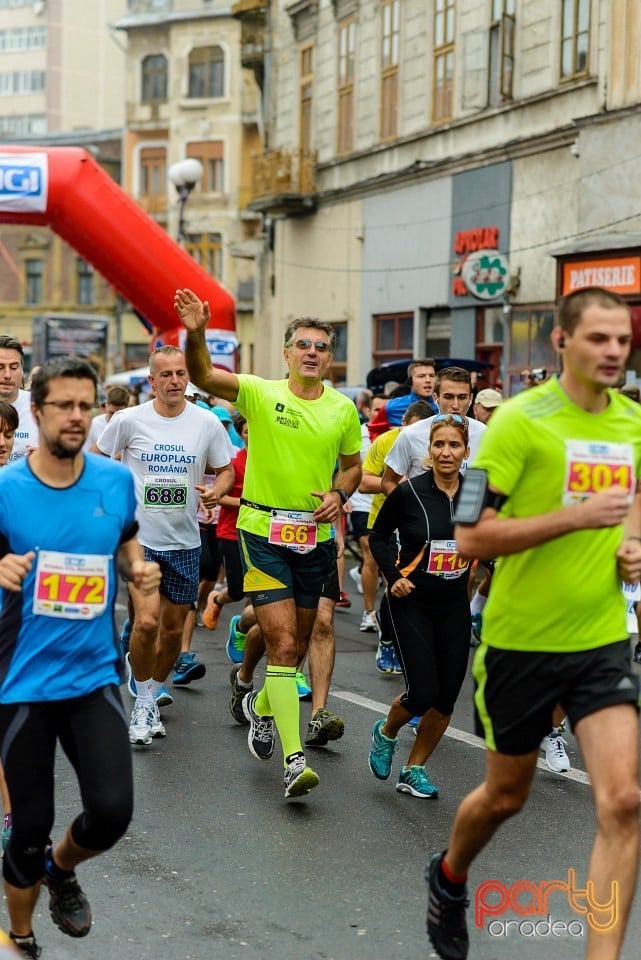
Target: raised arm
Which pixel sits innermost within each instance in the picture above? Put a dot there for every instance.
(194, 316)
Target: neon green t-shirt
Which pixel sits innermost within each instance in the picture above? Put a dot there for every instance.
(374, 462)
(293, 447)
(544, 452)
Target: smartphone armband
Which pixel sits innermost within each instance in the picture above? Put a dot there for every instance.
(475, 496)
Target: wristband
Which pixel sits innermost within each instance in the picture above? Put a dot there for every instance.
(343, 494)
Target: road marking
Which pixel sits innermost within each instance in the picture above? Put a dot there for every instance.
(578, 775)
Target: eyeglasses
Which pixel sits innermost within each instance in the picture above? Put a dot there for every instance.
(67, 406)
(321, 346)
(448, 416)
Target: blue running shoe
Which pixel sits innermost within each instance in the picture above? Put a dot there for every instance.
(187, 668)
(397, 669)
(415, 781)
(125, 634)
(164, 698)
(304, 689)
(382, 752)
(235, 641)
(413, 724)
(385, 657)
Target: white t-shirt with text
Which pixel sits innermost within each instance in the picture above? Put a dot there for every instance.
(410, 449)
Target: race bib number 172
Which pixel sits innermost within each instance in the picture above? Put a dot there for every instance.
(71, 586)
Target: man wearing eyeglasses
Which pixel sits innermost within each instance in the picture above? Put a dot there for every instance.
(453, 394)
(299, 429)
(11, 377)
(67, 524)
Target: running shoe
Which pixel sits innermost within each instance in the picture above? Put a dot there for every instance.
(164, 698)
(368, 622)
(446, 924)
(555, 755)
(397, 669)
(199, 618)
(343, 600)
(211, 613)
(235, 641)
(237, 695)
(413, 724)
(125, 634)
(157, 727)
(382, 752)
(299, 778)
(477, 624)
(304, 689)
(140, 724)
(385, 657)
(187, 668)
(415, 781)
(26, 946)
(356, 576)
(68, 906)
(324, 726)
(260, 738)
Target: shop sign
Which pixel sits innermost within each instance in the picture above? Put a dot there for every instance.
(468, 245)
(620, 274)
(485, 274)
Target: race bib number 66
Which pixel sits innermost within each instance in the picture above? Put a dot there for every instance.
(592, 467)
(71, 586)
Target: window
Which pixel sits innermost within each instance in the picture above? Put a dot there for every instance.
(345, 112)
(391, 14)
(22, 81)
(23, 38)
(153, 171)
(154, 78)
(21, 125)
(306, 95)
(501, 52)
(206, 72)
(575, 38)
(530, 343)
(393, 337)
(338, 369)
(85, 282)
(33, 276)
(207, 250)
(444, 17)
(211, 154)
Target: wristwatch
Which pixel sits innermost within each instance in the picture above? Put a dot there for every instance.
(343, 494)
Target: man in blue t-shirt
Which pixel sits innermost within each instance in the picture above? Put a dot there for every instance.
(67, 528)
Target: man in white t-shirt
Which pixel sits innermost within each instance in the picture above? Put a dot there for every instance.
(453, 394)
(117, 399)
(11, 377)
(169, 445)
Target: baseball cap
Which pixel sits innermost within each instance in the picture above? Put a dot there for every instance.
(489, 398)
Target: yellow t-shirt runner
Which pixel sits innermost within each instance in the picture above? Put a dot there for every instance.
(545, 452)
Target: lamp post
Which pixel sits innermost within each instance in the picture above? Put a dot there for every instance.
(184, 175)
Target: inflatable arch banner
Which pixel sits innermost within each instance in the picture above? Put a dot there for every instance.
(64, 188)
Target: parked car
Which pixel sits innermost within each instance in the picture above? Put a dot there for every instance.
(396, 371)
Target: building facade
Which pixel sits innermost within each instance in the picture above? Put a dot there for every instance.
(406, 138)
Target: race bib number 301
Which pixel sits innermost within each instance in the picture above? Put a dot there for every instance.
(164, 493)
(71, 586)
(592, 467)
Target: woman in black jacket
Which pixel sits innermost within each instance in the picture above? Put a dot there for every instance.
(425, 612)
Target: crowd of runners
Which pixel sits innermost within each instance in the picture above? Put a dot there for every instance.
(227, 488)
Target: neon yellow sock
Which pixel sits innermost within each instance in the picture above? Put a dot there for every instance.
(262, 706)
(280, 684)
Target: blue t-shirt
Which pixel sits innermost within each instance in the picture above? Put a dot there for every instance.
(57, 637)
(396, 407)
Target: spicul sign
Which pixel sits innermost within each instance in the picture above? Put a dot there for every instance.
(486, 278)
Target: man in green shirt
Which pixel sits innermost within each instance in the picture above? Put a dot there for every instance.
(564, 515)
(299, 430)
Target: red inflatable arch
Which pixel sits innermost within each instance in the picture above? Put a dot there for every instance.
(64, 188)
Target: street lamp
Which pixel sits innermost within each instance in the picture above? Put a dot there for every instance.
(184, 175)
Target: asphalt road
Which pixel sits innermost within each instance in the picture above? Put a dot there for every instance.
(217, 865)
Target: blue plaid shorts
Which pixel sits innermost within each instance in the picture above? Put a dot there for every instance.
(180, 573)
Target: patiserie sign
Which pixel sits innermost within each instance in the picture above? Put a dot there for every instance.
(621, 275)
(24, 182)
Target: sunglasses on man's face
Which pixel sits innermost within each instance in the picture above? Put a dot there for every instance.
(320, 346)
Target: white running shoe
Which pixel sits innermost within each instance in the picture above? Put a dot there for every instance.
(156, 724)
(555, 755)
(355, 574)
(141, 721)
(368, 622)
(299, 778)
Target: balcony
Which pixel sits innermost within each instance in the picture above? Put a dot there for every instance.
(252, 16)
(246, 9)
(284, 183)
(147, 115)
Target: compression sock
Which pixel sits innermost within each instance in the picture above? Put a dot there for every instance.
(280, 684)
